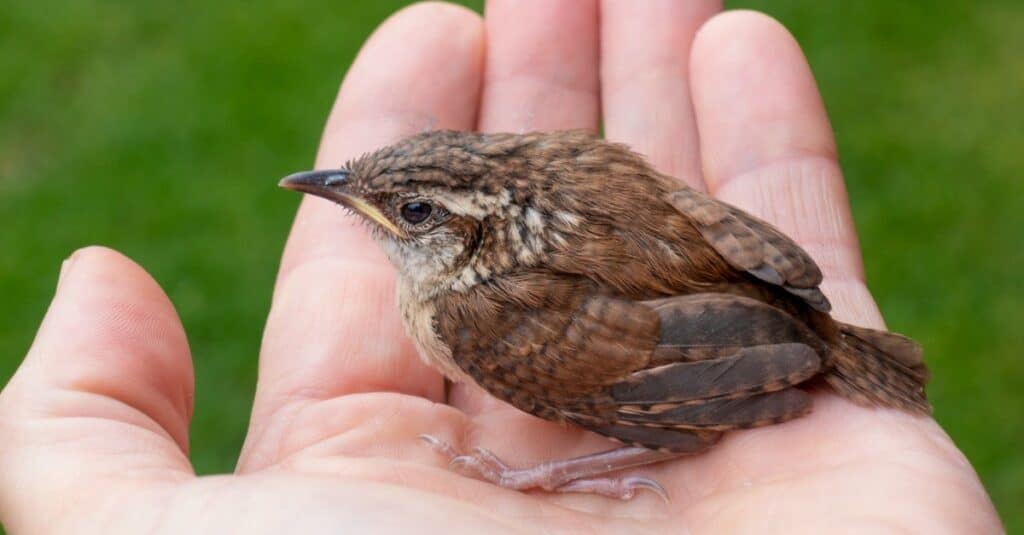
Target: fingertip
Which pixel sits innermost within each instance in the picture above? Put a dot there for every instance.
(98, 275)
(440, 10)
(756, 98)
(434, 44)
(458, 29)
(645, 86)
(740, 20)
(111, 330)
(104, 262)
(452, 24)
(737, 34)
(541, 71)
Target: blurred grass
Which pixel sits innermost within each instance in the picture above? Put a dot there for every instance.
(160, 131)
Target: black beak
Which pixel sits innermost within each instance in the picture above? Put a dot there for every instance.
(330, 184)
(319, 182)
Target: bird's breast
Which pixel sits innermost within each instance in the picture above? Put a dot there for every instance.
(418, 317)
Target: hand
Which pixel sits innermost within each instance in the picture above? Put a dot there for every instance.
(95, 422)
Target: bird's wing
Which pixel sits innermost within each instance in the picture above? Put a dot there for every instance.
(753, 245)
(641, 372)
(722, 362)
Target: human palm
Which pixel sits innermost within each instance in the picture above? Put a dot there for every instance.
(95, 421)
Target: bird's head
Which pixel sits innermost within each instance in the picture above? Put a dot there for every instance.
(453, 208)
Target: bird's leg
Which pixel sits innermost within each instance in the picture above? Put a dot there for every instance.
(578, 474)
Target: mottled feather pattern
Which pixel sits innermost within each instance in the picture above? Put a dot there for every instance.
(865, 373)
(572, 280)
(754, 246)
(560, 349)
(699, 326)
(735, 373)
(722, 414)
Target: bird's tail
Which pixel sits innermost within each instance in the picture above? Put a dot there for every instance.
(879, 368)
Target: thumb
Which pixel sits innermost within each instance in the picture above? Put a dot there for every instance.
(99, 409)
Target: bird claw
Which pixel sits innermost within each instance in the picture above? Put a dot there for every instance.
(471, 465)
(439, 445)
(482, 461)
(621, 488)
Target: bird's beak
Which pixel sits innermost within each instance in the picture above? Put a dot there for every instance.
(331, 184)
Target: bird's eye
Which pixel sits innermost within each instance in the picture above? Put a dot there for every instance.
(416, 212)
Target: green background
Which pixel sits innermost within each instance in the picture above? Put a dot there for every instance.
(160, 129)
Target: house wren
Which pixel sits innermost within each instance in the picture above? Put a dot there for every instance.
(567, 277)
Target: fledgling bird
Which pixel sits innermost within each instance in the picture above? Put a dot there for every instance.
(567, 277)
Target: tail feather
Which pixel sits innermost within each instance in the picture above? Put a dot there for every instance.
(879, 368)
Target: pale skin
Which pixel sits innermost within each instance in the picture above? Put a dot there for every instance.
(95, 422)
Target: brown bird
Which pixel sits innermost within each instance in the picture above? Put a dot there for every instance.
(567, 277)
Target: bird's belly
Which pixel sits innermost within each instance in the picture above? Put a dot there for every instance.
(418, 317)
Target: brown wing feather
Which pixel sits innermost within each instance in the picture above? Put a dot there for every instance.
(753, 245)
(725, 413)
(554, 346)
(699, 326)
(736, 374)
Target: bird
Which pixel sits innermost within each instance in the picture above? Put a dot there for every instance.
(566, 276)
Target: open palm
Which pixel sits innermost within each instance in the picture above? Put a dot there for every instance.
(95, 422)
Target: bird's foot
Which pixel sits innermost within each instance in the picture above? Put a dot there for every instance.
(579, 474)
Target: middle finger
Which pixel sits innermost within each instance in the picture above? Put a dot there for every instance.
(541, 71)
(541, 74)
(645, 90)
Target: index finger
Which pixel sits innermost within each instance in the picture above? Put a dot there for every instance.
(334, 326)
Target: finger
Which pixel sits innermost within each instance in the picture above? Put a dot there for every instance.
(541, 71)
(541, 74)
(645, 89)
(767, 146)
(103, 398)
(334, 326)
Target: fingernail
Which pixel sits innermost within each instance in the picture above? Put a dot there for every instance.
(65, 266)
